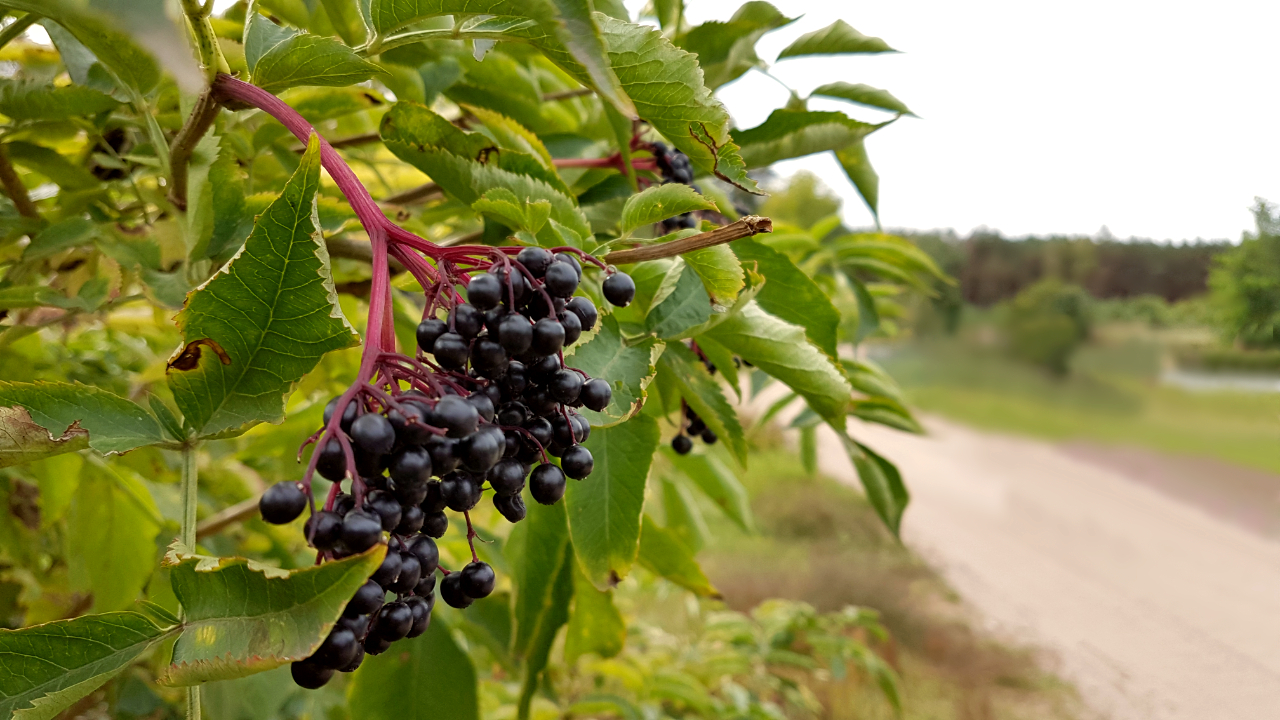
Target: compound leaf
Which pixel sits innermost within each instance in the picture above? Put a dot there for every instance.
(243, 617)
(25, 100)
(857, 166)
(112, 526)
(595, 625)
(718, 483)
(264, 320)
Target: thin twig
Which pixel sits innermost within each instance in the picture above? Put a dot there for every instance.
(184, 143)
(746, 227)
(566, 94)
(422, 193)
(14, 188)
(227, 516)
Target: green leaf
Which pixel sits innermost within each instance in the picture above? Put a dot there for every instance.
(835, 39)
(112, 526)
(575, 25)
(47, 162)
(868, 315)
(857, 166)
(870, 379)
(281, 58)
(27, 100)
(257, 697)
(62, 235)
(791, 294)
(243, 617)
(595, 625)
(426, 678)
(781, 350)
(723, 360)
(884, 411)
(795, 133)
(726, 50)
(660, 202)
(682, 303)
(860, 94)
(512, 135)
(346, 18)
(536, 550)
(129, 62)
(880, 480)
(717, 482)
(628, 366)
(720, 271)
(67, 413)
(702, 393)
(48, 667)
(662, 554)
(604, 509)
(264, 320)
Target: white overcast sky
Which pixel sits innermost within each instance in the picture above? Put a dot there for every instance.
(1155, 119)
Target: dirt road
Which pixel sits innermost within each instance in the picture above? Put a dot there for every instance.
(1156, 607)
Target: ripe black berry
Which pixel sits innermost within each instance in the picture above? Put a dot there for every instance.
(572, 327)
(373, 433)
(385, 506)
(411, 520)
(435, 524)
(681, 444)
(511, 506)
(355, 661)
(619, 289)
(420, 608)
(375, 644)
(410, 574)
(411, 465)
(570, 260)
(327, 530)
(535, 260)
(515, 334)
(348, 415)
(483, 405)
(366, 600)
(460, 492)
(565, 386)
(426, 586)
(596, 394)
(429, 331)
(546, 484)
(513, 413)
(283, 502)
(540, 429)
(477, 580)
(507, 477)
(696, 426)
(361, 530)
(394, 622)
(585, 310)
(709, 437)
(457, 416)
(451, 591)
(441, 450)
(548, 337)
(467, 320)
(337, 650)
(332, 463)
(451, 351)
(388, 571)
(516, 379)
(310, 675)
(577, 462)
(543, 369)
(561, 280)
(427, 553)
(484, 291)
(581, 427)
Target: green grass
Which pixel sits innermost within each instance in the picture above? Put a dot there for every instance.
(1112, 396)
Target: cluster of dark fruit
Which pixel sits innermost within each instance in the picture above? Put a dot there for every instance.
(692, 427)
(508, 402)
(676, 167)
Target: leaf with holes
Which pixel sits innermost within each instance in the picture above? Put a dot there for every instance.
(243, 617)
(264, 320)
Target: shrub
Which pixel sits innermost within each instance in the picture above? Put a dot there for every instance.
(1046, 323)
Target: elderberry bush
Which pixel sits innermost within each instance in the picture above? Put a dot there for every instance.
(483, 408)
(675, 167)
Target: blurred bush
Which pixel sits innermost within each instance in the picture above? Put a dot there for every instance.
(1046, 323)
(1245, 283)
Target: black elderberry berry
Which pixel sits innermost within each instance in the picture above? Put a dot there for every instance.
(323, 530)
(709, 437)
(427, 553)
(375, 644)
(435, 524)
(566, 386)
(477, 579)
(358, 624)
(467, 320)
(310, 675)
(348, 415)
(343, 504)
(368, 598)
(507, 477)
(541, 430)
(451, 351)
(410, 422)
(561, 279)
(385, 506)
(457, 416)
(511, 506)
(516, 379)
(488, 357)
(434, 501)
(429, 331)
(619, 289)
(528, 452)
(535, 260)
(484, 291)
(283, 502)
(515, 334)
(577, 462)
(681, 444)
(355, 661)
(410, 573)
(388, 571)
(585, 310)
(543, 369)
(483, 405)
(332, 463)
(511, 446)
(571, 261)
(562, 431)
(548, 337)
(696, 426)
(546, 484)
(426, 587)
(596, 394)
(460, 492)
(361, 530)
(451, 591)
(373, 433)
(394, 622)
(411, 519)
(368, 465)
(572, 327)
(512, 414)
(581, 427)
(421, 611)
(411, 465)
(337, 650)
(483, 449)
(441, 450)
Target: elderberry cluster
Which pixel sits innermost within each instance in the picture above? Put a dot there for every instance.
(676, 167)
(691, 427)
(485, 414)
